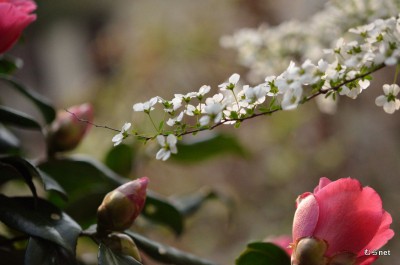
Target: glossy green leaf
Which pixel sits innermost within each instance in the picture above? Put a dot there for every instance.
(217, 144)
(24, 168)
(9, 143)
(163, 211)
(87, 181)
(263, 253)
(108, 257)
(9, 64)
(189, 204)
(17, 118)
(51, 184)
(47, 110)
(120, 159)
(166, 254)
(41, 219)
(43, 252)
(8, 172)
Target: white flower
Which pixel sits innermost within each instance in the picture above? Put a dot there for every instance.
(291, 98)
(168, 146)
(145, 106)
(202, 91)
(389, 102)
(117, 139)
(230, 85)
(172, 121)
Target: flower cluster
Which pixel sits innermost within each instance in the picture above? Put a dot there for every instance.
(269, 49)
(345, 70)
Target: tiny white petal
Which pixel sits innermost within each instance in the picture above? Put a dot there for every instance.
(138, 107)
(172, 140)
(234, 78)
(161, 140)
(380, 101)
(389, 107)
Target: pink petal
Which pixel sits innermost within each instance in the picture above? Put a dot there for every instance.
(305, 217)
(383, 235)
(322, 183)
(366, 260)
(349, 216)
(13, 21)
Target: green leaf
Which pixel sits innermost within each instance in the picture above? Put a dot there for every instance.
(41, 219)
(190, 203)
(14, 117)
(263, 253)
(120, 159)
(24, 168)
(217, 144)
(163, 211)
(47, 110)
(8, 172)
(87, 181)
(9, 64)
(107, 257)
(165, 253)
(9, 144)
(43, 252)
(51, 184)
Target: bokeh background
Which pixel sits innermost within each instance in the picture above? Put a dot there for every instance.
(117, 53)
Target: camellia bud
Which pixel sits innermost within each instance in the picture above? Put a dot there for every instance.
(66, 132)
(123, 244)
(309, 251)
(121, 206)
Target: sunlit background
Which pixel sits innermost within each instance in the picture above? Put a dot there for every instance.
(117, 53)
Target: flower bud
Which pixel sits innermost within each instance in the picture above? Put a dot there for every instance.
(66, 131)
(121, 206)
(309, 251)
(123, 244)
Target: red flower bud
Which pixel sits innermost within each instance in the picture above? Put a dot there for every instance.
(121, 206)
(344, 217)
(66, 132)
(15, 16)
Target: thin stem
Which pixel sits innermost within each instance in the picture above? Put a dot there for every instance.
(152, 122)
(91, 123)
(396, 73)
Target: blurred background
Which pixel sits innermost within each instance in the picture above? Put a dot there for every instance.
(117, 53)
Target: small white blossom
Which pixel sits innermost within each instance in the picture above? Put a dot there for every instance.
(230, 85)
(291, 98)
(168, 146)
(145, 106)
(388, 101)
(117, 139)
(172, 121)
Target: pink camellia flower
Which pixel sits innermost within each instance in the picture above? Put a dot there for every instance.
(68, 129)
(338, 224)
(15, 16)
(121, 206)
